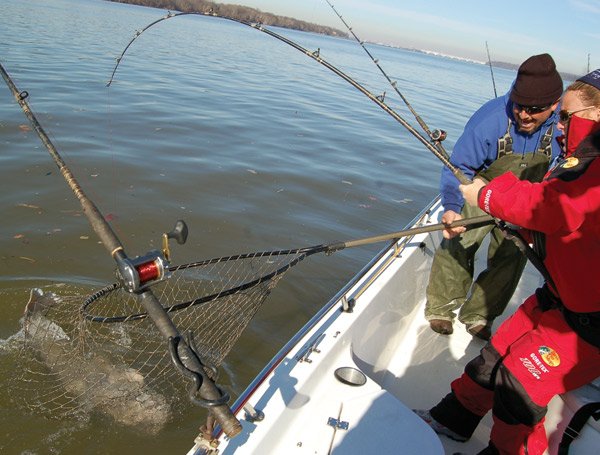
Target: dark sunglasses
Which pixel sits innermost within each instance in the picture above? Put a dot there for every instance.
(565, 116)
(532, 110)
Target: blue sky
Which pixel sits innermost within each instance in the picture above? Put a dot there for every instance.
(569, 30)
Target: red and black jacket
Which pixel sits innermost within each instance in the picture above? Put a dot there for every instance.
(565, 208)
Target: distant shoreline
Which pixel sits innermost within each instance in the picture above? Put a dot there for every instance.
(255, 15)
(495, 64)
(244, 13)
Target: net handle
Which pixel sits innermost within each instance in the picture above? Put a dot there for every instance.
(302, 253)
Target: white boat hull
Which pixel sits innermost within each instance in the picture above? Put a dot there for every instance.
(306, 409)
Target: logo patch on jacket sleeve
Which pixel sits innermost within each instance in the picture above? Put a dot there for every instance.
(549, 356)
(570, 162)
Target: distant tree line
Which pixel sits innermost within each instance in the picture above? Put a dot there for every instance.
(236, 12)
(511, 66)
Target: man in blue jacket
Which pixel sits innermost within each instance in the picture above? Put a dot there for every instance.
(515, 132)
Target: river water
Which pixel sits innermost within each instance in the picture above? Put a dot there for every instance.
(253, 144)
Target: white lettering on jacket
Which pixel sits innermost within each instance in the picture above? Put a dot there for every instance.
(486, 201)
(530, 367)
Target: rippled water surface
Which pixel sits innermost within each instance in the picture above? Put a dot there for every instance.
(250, 142)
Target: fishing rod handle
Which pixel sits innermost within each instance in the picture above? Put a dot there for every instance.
(208, 390)
(462, 178)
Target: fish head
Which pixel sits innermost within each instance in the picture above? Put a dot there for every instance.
(39, 302)
(35, 322)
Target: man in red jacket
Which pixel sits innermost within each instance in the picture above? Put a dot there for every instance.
(552, 343)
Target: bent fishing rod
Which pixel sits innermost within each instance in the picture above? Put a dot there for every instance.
(521, 244)
(436, 136)
(315, 55)
(379, 100)
(136, 275)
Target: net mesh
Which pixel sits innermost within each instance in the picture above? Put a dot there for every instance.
(102, 354)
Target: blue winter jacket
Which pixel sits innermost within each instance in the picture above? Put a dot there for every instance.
(477, 148)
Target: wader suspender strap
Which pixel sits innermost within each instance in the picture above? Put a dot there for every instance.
(539, 244)
(531, 255)
(505, 142)
(576, 424)
(546, 142)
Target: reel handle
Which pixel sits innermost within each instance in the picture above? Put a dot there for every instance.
(179, 232)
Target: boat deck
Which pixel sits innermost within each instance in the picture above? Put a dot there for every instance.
(414, 364)
(438, 359)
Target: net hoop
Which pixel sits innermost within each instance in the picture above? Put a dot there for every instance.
(299, 255)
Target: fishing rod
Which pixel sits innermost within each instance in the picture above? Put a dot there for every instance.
(136, 275)
(315, 55)
(491, 70)
(521, 244)
(437, 136)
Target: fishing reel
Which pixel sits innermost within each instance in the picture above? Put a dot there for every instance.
(438, 135)
(136, 274)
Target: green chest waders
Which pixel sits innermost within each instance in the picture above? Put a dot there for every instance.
(451, 284)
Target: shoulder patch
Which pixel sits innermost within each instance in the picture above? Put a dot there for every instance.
(571, 168)
(569, 162)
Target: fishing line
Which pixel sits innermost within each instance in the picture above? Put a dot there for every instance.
(315, 55)
(437, 136)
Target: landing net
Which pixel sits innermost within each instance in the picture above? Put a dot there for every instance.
(103, 354)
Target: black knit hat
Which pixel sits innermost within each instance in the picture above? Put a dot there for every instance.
(538, 83)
